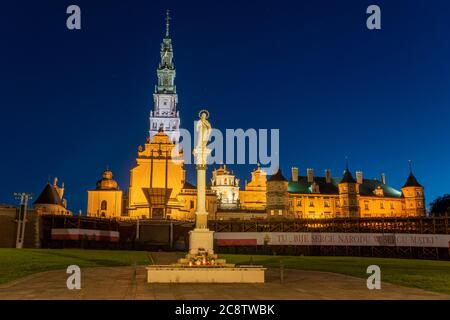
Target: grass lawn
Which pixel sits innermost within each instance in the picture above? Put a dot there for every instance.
(17, 263)
(423, 274)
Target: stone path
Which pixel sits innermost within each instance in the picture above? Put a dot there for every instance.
(120, 283)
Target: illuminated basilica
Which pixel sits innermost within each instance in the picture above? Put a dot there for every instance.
(158, 188)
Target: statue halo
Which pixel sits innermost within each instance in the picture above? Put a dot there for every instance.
(204, 111)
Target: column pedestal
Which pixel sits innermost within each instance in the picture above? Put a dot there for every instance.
(201, 241)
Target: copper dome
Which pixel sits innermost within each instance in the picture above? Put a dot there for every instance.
(107, 182)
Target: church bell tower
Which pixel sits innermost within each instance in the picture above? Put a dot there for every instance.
(164, 116)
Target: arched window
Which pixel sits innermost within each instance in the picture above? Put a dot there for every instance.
(104, 205)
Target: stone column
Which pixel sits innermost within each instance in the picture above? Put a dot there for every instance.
(201, 214)
(201, 155)
(201, 237)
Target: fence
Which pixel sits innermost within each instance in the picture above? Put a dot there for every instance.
(171, 235)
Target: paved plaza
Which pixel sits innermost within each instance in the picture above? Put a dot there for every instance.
(121, 283)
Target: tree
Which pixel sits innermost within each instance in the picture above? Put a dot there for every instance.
(441, 206)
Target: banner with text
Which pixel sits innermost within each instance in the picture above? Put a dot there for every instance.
(332, 239)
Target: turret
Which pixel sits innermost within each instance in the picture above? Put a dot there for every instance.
(51, 200)
(277, 196)
(348, 195)
(413, 192)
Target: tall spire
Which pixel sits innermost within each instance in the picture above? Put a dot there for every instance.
(166, 69)
(164, 116)
(167, 23)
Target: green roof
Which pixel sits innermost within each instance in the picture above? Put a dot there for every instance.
(367, 188)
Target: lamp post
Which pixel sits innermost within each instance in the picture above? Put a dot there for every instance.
(21, 219)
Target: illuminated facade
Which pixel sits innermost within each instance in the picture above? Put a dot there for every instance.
(158, 188)
(277, 196)
(253, 197)
(226, 187)
(327, 197)
(106, 199)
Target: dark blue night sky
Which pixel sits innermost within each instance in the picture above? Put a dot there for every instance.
(74, 102)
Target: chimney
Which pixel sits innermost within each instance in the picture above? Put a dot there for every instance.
(383, 178)
(359, 177)
(294, 174)
(328, 176)
(310, 175)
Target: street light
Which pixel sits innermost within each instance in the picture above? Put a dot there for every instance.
(21, 219)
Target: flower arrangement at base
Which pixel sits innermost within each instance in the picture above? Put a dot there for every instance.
(202, 259)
